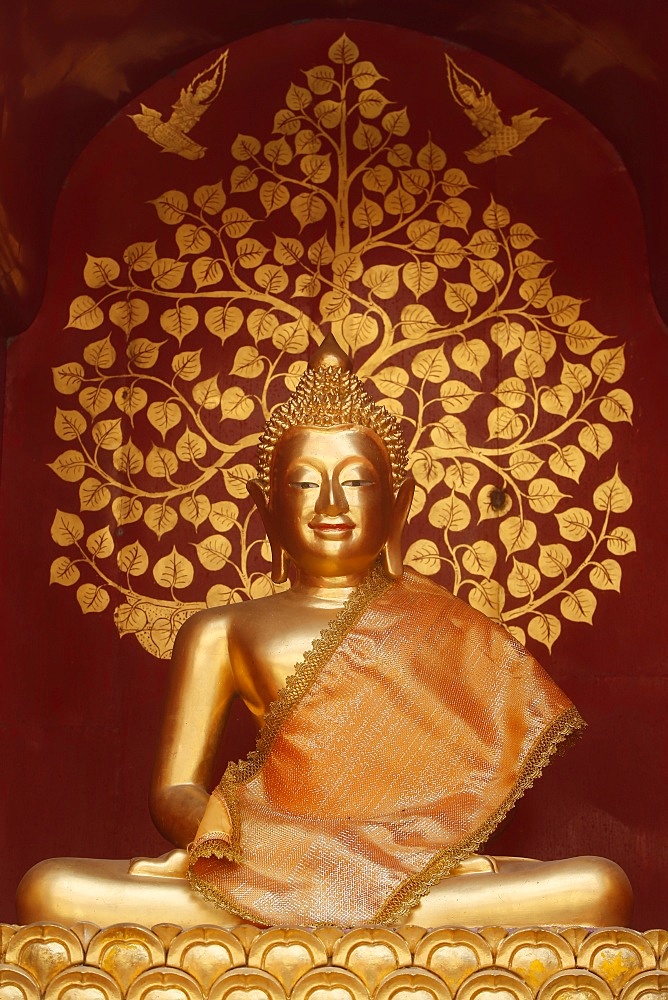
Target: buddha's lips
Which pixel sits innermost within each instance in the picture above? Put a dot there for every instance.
(332, 527)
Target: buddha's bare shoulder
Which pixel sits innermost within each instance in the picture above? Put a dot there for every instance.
(218, 622)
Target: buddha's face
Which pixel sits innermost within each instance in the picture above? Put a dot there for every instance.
(331, 499)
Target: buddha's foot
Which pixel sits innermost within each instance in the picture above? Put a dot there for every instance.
(173, 864)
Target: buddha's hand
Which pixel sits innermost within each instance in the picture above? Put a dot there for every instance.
(174, 864)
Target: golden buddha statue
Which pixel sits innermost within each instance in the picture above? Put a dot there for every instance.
(385, 758)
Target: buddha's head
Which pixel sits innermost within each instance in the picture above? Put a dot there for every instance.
(332, 488)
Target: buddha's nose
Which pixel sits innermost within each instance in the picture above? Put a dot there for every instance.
(332, 499)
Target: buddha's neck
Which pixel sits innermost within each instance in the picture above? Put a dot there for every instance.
(331, 591)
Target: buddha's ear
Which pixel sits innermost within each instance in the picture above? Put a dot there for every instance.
(392, 554)
(279, 557)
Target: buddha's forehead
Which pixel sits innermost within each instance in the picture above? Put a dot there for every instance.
(334, 444)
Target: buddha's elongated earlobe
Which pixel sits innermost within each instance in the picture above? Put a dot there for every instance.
(279, 557)
(391, 554)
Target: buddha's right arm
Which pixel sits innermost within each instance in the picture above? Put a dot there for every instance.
(201, 688)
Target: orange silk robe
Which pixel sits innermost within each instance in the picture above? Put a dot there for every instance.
(405, 735)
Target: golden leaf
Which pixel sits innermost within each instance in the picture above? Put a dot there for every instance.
(455, 213)
(582, 337)
(214, 552)
(524, 465)
(190, 447)
(529, 264)
(247, 363)
(161, 463)
(487, 596)
(554, 560)
(529, 365)
(347, 267)
(108, 434)
(206, 271)
(545, 628)
(606, 575)
(423, 234)
(517, 534)
(224, 515)
(220, 594)
(168, 272)
(261, 586)
(613, 496)
(496, 216)
(471, 356)
(316, 167)
(391, 381)
(245, 147)
(85, 314)
(100, 271)
(320, 252)
(517, 633)
(576, 376)
(132, 559)
(272, 278)
(420, 276)
(427, 470)
(493, 503)
(564, 309)
(617, 406)
(366, 137)
(127, 509)
(396, 122)
(295, 372)
(128, 314)
(100, 353)
(236, 477)
(424, 557)
(574, 524)
(95, 399)
(455, 182)
(365, 75)
(179, 321)
(502, 422)
(287, 122)
(187, 365)
(195, 509)
(506, 335)
(69, 424)
(556, 399)
(68, 378)
(160, 518)
(224, 321)
(250, 252)
(307, 285)
(236, 222)
(479, 558)
(64, 572)
(462, 477)
(242, 179)
(171, 207)
(360, 329)
(449, 433)
(278, 153)
(567, 461)
(579, 606)
(210, 198)
(235, 404)
(383, 281)
(93, 494)
(129, 460)
(621, 541)
(449, 253)
(430, 365)
(140, 256)
(415, 181)
(399, 202)
(343, 51)
(298, 98)
(130, 399)
(456, 396)
(419, 499)
(164, 415)
(92, 599)
(431, 157)
(328, 113)
(173, 572)
(484, 244)
(512, 392)
(292, 337)
(609, 364)
(392, 406)
(416, 321)
(544, 495)
(460, 297)
(320, 79)
(485, 275)
(371, 104)
(273, 195)
(66, 529)
(287, 250)
(335, 305)
(192, 239)
(523, 579)
(521, 236)
(536, 292)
